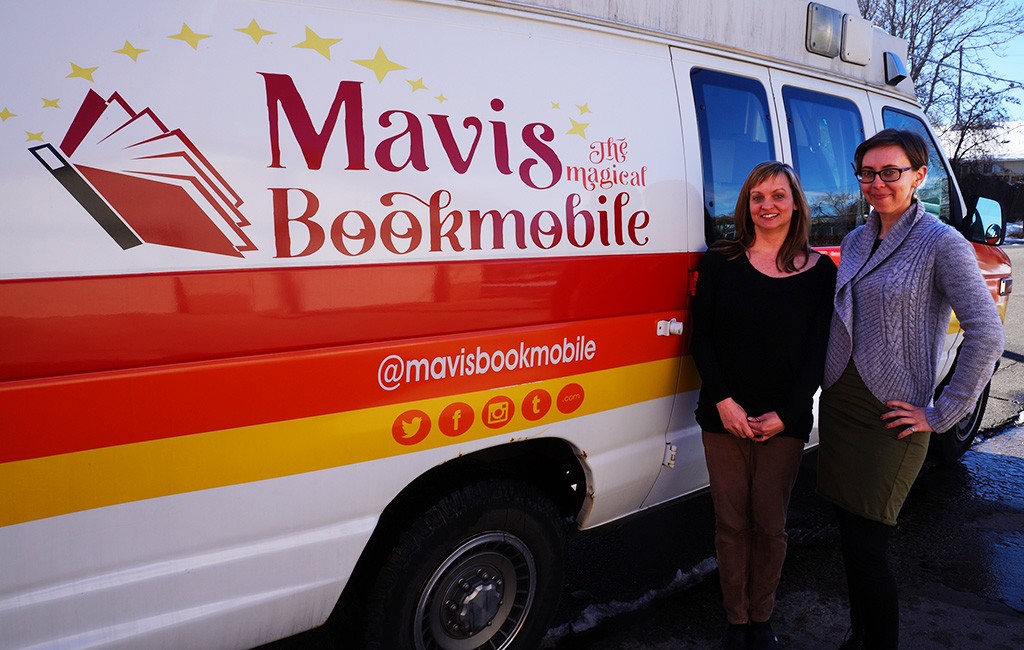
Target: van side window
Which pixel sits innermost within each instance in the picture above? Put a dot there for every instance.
(938, 187)
(735, 135)
(824, 131)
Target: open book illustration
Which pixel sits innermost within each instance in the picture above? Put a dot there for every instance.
(143, 182)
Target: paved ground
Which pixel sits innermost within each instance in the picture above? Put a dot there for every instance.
(958, 555)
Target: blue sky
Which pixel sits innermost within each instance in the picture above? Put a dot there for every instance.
(1010, 65)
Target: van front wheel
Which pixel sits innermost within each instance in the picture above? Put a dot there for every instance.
(482, 568)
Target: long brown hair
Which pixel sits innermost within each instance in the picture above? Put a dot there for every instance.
(796, 242)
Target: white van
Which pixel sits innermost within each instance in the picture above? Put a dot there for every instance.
(359, 305)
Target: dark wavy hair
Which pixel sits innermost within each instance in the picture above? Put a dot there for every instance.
(796, 242)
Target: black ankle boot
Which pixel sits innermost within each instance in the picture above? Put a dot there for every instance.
(737, 637)
(853, 641)
(762, 636)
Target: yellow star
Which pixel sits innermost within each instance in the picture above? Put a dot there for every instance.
(578, 128)
(584, 108)
(51, 103)
(380, 64)
(186, 34)
(84, 73)
(255, 31)
(130, 50)
(556, 106)
(417, 84)
(38, 137)
(441, 98)
(4, 114)
(315, 42)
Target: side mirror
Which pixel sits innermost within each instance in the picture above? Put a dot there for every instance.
(985, 223)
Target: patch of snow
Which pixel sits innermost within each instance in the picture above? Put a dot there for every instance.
(593, 615)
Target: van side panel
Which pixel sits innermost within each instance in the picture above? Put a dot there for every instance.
(263, 265)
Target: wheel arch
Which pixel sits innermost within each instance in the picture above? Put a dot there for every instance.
(949, 446)
(550, 464)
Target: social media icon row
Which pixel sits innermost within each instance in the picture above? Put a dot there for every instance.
(413, 426)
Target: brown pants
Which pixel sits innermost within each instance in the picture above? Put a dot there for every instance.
(750, 486)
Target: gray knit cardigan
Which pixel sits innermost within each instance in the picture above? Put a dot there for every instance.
(892, 313)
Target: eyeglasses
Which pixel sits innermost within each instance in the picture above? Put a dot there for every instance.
(889, 174)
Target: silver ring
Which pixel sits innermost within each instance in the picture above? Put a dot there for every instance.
(913, 430)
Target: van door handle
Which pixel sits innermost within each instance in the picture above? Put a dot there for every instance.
(670, 328)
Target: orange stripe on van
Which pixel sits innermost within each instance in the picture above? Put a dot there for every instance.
(50, 417)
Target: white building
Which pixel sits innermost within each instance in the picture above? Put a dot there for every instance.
(1008, 153)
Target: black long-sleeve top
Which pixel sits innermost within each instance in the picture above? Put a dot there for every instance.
(761, 340)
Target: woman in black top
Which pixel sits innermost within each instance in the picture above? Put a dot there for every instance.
(761, 317)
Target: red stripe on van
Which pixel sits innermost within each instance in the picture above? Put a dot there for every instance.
(66, 326)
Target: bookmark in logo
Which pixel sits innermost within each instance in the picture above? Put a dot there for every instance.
(144, 183)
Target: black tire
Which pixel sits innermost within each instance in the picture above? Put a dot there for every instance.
(949, 446)
(482, 568)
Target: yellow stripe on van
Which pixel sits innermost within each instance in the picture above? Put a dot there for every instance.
(56, 485)
(954, 322)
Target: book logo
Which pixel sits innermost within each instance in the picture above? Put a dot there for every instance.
(145, 183)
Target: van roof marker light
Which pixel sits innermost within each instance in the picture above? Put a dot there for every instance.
(894, 70)
(824, 29)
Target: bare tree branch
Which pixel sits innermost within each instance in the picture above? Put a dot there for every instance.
(947, 43)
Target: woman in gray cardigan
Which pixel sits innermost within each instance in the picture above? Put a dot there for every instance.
(900, 275)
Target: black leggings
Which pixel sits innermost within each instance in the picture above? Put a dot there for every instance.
(874, 605)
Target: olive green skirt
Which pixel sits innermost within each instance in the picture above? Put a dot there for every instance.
(862, 466)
